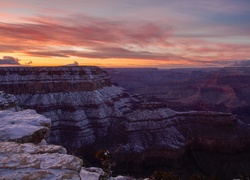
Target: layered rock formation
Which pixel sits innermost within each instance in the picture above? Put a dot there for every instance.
(80, 101)
(156, 136)
(88, 111)
(224, 89)
(7, 101)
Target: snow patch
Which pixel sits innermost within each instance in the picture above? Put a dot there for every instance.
(16, 125)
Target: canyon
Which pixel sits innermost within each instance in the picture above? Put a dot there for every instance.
(88, 113)
(204, 89)
(25, 154)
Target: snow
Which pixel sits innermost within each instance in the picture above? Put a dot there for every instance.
(93, 173)
(15, 125)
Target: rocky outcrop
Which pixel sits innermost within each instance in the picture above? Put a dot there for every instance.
(7, 101)
(29, 161)
(93, 173)
(89, 113)
(21, 126)
(21, 157)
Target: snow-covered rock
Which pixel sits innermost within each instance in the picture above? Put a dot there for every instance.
(23, 126)
(93, 173)
(29, 161)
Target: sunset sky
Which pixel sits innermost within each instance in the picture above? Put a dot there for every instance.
(125, 33)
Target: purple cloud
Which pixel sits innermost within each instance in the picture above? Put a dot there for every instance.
(8, 60)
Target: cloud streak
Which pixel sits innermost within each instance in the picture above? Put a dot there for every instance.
(90, 31)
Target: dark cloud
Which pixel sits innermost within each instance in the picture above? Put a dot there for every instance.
(28, 63)
(117, 52)
(225, 63)
(73, 64)
(48, 53)
(8, 60)
(106, 53)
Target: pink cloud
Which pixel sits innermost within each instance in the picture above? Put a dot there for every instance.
(89, 31)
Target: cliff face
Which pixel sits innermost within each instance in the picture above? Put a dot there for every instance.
(24, 153)
(21, 157)
(87, 110)
(184, 142)
(7, 101)
(81, 101)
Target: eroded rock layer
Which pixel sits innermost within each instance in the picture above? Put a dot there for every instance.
(7, 101)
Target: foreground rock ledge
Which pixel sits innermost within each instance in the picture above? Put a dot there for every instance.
(29, 161)
(23, 126)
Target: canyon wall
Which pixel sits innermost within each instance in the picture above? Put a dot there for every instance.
(81, 101)
(86, 111)
(214, 89)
